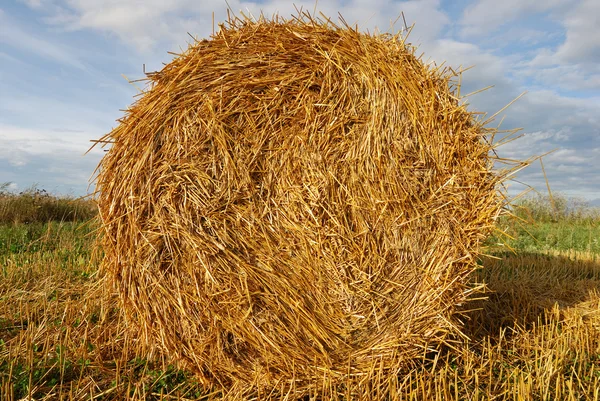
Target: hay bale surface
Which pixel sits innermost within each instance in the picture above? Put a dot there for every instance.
(293, 204)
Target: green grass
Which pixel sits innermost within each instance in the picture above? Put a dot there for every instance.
(581, 236)
(40, 237)
(540, 224)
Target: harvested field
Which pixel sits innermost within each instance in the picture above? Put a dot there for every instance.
(537, 336)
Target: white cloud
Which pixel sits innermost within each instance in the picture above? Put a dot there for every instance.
(9, 58)
(35, 4)
(455, 53)
(12, 35)
(19, 145)
(582, 44)
(568, 157)
(570, 169)
(568, 77)
(574, 63)
(527, 36)
(144, 24)
(531, 144)
(54, 159)
(140, 23)
(43, 112)
(485, 16)
(570, 129)
(560, 111)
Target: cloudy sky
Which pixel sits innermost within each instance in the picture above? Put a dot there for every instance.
(62, 64)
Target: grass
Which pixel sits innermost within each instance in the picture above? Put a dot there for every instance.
(535, 337)
(37, 205)
(543, 224)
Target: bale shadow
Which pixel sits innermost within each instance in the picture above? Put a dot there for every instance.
(522, 288)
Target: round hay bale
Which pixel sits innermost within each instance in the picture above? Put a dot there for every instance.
(293, 203)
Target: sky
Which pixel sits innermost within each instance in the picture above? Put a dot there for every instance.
(63, 65)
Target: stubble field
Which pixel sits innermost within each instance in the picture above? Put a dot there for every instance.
(533, 335)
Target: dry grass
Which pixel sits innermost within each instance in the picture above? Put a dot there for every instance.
(537, 337)
(37, 205)
(294, 206)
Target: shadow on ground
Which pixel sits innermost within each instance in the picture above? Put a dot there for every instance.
(521, 288)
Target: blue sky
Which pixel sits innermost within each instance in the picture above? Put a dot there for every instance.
(62, 64)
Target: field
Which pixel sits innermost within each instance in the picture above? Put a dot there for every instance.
(534, 334)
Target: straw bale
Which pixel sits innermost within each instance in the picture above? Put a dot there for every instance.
(294, 204)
